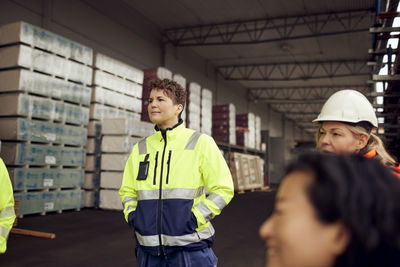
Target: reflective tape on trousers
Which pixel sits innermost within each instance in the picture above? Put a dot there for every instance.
(175, 193)
(183, 240)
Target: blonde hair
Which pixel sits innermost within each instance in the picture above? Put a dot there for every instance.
(374, 142)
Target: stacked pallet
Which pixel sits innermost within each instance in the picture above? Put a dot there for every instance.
(182, 82)
(206, 111)
(149, 75)
(44, 109)
(116, 93)
(193, 106)
(258, 133)
(119, 136)
(246, 130)
(224, 123)
(247, 171)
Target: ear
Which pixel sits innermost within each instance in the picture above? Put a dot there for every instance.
(362, 141)
(179, 108)
(340, 238)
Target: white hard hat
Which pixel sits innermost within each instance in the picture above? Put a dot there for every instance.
(348, 106)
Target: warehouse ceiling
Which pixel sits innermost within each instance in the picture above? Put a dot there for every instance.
(291, 55)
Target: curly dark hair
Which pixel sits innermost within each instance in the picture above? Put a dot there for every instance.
(362, 194)
(173, 89)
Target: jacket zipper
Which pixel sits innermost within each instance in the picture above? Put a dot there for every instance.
(155, 169)
(160, 206)
(168, 163)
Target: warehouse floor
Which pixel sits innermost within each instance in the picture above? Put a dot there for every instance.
(93, 237)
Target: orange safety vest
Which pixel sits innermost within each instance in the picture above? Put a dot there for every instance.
(395, 169)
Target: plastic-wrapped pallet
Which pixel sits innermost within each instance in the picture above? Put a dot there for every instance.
(182, 82)
(224, 123)
(193, 104)
(248, 138)
(149, 75)
(44, 108)
(117, 84)
(258, 132)
(118, 138)
(48, 201)
(116, 93)
(206, 111)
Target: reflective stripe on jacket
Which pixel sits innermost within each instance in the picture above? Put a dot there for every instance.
(7, 214)
(373, 154)
(170, 208)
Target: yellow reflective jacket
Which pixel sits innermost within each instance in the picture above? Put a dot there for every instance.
(7, 214)
(174, 183)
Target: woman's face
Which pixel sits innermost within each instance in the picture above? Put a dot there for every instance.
(294, 236)
(162, 111)
(335, 137)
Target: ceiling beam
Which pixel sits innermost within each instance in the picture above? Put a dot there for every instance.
(266, 30)
(310, 113)
(293, 101)
(303, 93)
(297, 107)
(289, 71)
(301, 117)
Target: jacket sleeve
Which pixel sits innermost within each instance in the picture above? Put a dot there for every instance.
(127, 191)
(7, 214)
(217, 179)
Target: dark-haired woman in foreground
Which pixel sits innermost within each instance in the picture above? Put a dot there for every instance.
(332, 210)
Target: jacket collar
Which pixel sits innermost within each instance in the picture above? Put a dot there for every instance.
(170, 133)
(370, 154)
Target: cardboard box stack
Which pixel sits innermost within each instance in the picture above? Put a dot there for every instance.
(118, 138)
(224, 123)
(246, 130)
(116, 93)
(149, 75)
(206, 111)
(193, 106)
(44, 110)
(247, 171)
(182, 82)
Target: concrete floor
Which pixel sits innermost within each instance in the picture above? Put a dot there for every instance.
(94, 237)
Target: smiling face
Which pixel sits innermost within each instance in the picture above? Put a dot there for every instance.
(162, 110)
(294, 236)
(336, 137)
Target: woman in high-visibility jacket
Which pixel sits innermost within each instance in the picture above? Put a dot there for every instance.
(347, 125)
(175, 181)
(7, 214)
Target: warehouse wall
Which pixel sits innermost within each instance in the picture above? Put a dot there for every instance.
(114, 29)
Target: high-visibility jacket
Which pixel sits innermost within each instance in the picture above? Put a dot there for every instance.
(187, 183)
(373, 154)
(7, 214)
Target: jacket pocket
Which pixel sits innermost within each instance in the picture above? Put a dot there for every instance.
(178, 218)
(131, 218)
(195, 225)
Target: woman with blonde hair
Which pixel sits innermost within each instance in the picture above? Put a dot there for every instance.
(347, 125)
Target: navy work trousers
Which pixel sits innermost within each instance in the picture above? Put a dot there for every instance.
(197, 258)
